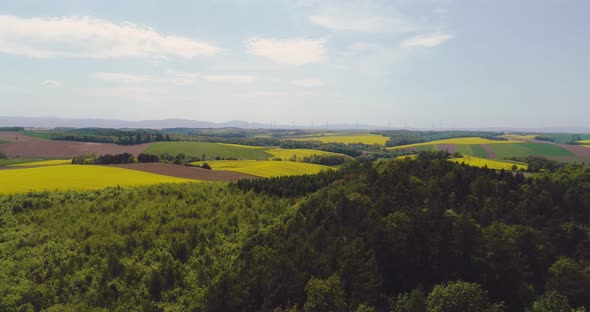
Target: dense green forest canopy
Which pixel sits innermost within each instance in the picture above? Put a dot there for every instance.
(403, 235)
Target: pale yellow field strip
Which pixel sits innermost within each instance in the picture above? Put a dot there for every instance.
(76, 177)
(490, 163)
(369, 139)
(266, 168)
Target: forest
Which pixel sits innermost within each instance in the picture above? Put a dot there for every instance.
(420, 234)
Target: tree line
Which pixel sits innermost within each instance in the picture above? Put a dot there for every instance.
(396, 235)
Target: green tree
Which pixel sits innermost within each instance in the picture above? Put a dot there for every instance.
(569, 278)
(460, 296)
(551, 301)
(324, 295)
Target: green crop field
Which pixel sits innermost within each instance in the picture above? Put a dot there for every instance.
(471, 150)
(490, 163)
(43, 163)
(75, 177)
(211, 150)
(266, 169)
(370, 139)
(46, 135)
(299, 153)
(11, 162)
(527, 149)
(465, 140)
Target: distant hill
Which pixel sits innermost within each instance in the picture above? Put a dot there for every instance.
(55, 122)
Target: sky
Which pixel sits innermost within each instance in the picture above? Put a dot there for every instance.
(415, 63)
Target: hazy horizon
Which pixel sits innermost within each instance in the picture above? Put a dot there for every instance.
(440, 64)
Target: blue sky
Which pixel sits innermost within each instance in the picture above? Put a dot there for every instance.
(446, 63)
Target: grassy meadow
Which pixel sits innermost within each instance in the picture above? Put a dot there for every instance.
(265, 169)
(73, 177)
(467, 140)
(211, 150)
(43, 163)
(528, 149)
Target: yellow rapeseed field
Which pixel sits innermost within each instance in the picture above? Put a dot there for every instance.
(265, 168)
(370, 139)
(467, 140)
(75, 177)
(44, 163)
(300, 153)
(490, 163)
(586, 142)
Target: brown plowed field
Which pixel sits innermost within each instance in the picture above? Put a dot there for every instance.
(447, 147)
(65, 149)
(577, 150)
(187, 172)
(16, 137)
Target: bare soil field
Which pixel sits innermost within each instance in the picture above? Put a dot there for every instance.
(491, 153)
(187, 172)
(447, 147)
(35, 148)
(16, 137)
(577, 150)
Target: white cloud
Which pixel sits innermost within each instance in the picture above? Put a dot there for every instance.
(296, 51)
(172, 77)
(51, 83)
(308, 83)
(369, 24)
(426, 40)
(264, 94)
(122, 77)
(235, 79)
(362, 16)
(92, 38)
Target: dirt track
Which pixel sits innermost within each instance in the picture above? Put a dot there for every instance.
(491, 153)
(65, 149)
(187, 172)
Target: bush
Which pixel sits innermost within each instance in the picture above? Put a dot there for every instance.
(206, 166)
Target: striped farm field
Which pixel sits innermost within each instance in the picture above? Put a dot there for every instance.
(211, 150)
(44, 163)
(76, 177)
(471, 149)
(528, 149)
(265, 168)
(518, 137)
(490, 163)
(370, 139)
(299, 153)
(467, 140)
(12, 162)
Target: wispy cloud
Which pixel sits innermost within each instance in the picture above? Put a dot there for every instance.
(122, 77)
(235, 79)
(308, 83)
(90, 37)
(426, 40)
(370, 24)
(51, 83)
(297, 51)
(258, 94)
(173, 78)
(362, 16)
